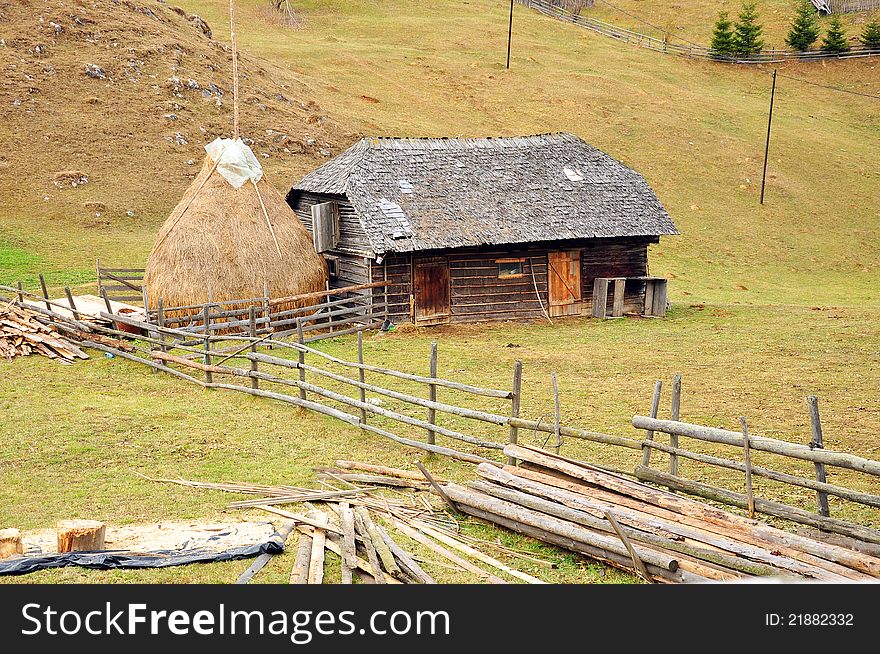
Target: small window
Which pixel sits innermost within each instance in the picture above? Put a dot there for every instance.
(332, 266)
(508, 268)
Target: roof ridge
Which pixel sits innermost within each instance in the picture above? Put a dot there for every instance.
(465, 142)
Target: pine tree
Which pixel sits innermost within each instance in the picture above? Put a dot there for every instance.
(835, 38)
(804, 28)
(722, 35)
(747, 31)
(871, 34)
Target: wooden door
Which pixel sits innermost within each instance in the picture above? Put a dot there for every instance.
(431, 304)
(564, 275)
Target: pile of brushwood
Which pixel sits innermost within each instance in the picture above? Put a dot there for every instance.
(23, 333)
(660, 536)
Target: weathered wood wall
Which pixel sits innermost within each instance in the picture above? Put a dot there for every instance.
(618, 257)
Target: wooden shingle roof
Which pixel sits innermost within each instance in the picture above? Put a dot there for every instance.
(421, 194)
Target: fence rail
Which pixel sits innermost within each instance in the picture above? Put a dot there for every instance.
(684, 48)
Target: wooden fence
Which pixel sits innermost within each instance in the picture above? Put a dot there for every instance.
(672, 44)
(120, 284)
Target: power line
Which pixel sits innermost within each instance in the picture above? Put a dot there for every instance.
(642, 20)
(831, 88)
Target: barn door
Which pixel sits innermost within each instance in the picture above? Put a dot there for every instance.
(564, 273)
(431, 291)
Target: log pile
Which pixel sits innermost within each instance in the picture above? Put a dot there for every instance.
(22, 334)
(658, 535)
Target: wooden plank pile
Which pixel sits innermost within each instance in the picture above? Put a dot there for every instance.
(661, 536)
(22, 334)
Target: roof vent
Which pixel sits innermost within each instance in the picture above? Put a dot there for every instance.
(405, 186)
(393, 211)
(573, 175)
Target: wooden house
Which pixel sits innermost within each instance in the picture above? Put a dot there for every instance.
(475, 229)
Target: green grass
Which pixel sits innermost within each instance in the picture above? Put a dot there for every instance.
(770, 303)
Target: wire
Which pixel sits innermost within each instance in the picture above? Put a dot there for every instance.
(831, 88)
(642, 20)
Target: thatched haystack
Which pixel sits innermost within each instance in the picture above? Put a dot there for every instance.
(218, 238)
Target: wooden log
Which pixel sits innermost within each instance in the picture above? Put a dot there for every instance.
(768, 507)
(432, 391)
(675, 414)
(515, 400)
(407, 563)
(302, 358)
(361, 377)
(45, 291)
(10, 543)
(260, 562)
(752, 544)
(382, 550)
(750, 497)
(372, 555)
(473, 552)
(349, 545)
(442, 551)
(816, 443)
(437, 487)
(316, 561)
(80, 536)
(252, 330)
(692, 508)
(71, 303)
(556, 432)
(462, 496)
(300, 572)
(763, 444)
(333, 545)
(649, 434)
(206, 318)
(301, 519)
(381, 470)
(637, 561)
(374, 480)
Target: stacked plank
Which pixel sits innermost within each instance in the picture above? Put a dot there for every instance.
(22, 334)
(659, 535)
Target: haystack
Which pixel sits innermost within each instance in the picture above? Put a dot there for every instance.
(218, 240)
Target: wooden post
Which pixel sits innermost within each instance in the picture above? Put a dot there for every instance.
(145, 300)
(10, 543)
(252, 328)
(432, 391)
(71, 303)
(649, 434)
(267, 308)
(515, 398)
(675, 412)
(638, 564)
(816, 444)
(160, 320)
(80, 536)
(20, 295)
(363, 391)
(110, 306)
(619, 294)
(302, 357)
(98, 275)
(45, 291)
(556, 413)
(206, 318)
(748, 458)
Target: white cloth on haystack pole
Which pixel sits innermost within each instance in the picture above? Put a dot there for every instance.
(235, 161)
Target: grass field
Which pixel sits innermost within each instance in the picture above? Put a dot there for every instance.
(770, 303)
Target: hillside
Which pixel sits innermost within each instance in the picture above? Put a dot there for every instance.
(122, 96)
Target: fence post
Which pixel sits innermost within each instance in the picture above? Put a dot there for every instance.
(20, 295)
(747, 451)
(816, 443)
(206, 318)
(432, 391)
(70, 303)
(160, 320)
(252, 328)
(45, 291)
(649, 434)
(363, 392)
(267, 309)
(675, 415)
(515, 397)
(302, 357)
(556, 414)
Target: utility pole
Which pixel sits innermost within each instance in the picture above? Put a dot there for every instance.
(509, 33)
(767, 146)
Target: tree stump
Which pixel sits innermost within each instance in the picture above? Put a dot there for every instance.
(80, 536)
(10, 543)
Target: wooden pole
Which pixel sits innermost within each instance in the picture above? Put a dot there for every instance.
(45, 291)
(437, 488)
(160, 320)
(637, 561)
(649, 434)
(235, 119)
(432, 391)
(372, 555)
(302, 357)
(252, 328)
(71, 303)
(300, 572)
(319, 539)
(206, 318)
(20, 296)
(509, 33)
(816, 444)
(349, 548)
(267, 308)
(515, 398)
(748, 460)
(363, 391)
(675, 414)
(767, 145)
(556, 432)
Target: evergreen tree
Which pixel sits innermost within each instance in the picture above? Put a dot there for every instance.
(722, 36)
(747, 31)
(804, 28)
(871, 35)
(835, 38)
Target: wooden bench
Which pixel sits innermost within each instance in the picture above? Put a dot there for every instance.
(655, 296)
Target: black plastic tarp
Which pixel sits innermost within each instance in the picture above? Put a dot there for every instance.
(108, 560)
